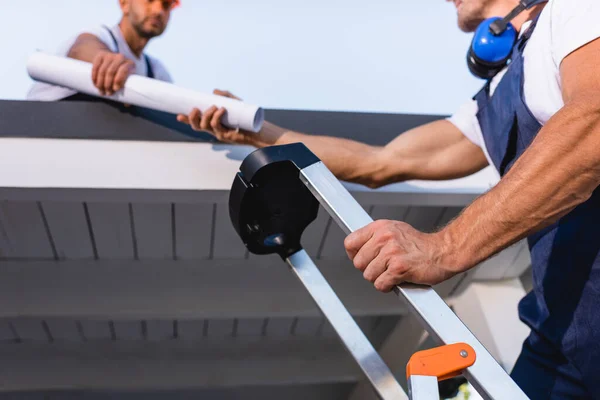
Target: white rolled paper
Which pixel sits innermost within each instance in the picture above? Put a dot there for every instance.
(143, 92)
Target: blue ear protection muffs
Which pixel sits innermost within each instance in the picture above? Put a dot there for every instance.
(493, 42)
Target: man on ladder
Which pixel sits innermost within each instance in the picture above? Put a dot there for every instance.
(537, 121)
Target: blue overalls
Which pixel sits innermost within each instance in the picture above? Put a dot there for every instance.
(561, 357)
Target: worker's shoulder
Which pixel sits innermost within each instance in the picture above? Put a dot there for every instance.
(100, 32)
(567, 9)
(103, 32)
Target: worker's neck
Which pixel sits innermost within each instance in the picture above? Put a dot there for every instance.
(135, 42)
(527, 15)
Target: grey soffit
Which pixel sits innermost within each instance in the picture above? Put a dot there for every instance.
(328, 391)
(102, 120)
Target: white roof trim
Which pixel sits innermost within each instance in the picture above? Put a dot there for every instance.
(99, 164)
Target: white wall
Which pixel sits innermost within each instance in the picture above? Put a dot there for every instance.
(377, 55)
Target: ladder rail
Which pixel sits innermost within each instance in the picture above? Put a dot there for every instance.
(487, 376)
(368, 359)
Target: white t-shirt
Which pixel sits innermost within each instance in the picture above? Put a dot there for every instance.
(45, 92)
(563, 27)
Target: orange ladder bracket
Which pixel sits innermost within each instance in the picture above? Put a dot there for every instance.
(425, 368)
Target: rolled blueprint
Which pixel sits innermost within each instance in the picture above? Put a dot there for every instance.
(143, 92)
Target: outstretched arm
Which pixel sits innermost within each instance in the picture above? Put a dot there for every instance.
(434, 151)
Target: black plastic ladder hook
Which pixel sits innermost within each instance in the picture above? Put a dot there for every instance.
(269, 206)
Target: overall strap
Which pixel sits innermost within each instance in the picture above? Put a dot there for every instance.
(149, 69)
(527, 34)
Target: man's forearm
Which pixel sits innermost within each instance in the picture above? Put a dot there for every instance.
(435, 151)
(559, 171)
(347, 159)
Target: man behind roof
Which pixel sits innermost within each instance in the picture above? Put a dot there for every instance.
(116, 52)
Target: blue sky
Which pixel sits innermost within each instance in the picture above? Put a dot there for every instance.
(348, 55)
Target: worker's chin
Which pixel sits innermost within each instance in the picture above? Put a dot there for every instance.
(151, 33)
(468, 25)
(152, 30)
